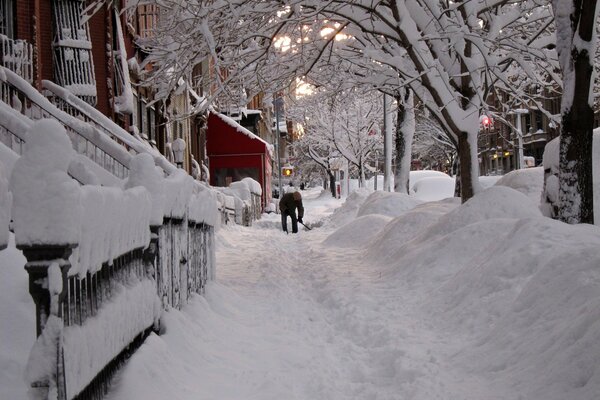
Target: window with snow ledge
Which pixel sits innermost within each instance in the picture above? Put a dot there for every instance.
(73, 63)
(7, 18)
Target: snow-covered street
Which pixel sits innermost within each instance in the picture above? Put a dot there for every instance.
(295, 317)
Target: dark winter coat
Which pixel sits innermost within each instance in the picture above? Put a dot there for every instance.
(288, 203)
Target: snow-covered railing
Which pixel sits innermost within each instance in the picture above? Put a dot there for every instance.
(17, 55)
(243, 200)
(80, 109)
(100, 259)
(85, 138)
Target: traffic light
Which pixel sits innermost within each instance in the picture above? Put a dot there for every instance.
(287, 171)
(485, 121)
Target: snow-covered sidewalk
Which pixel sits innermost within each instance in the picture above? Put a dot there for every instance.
(289, 318)
(425, 305)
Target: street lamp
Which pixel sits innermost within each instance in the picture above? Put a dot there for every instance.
(178, 148)
(519, 112)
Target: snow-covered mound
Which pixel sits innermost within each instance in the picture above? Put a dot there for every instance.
(390, 204)
(17, 332)
(358, 232)
(347, 211)
(416, 176)
(528, 181)
(407, 226)
(523, 288)
(434, 188)
(494, 202)
(488, 181)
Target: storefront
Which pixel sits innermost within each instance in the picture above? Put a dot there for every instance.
(235, 153)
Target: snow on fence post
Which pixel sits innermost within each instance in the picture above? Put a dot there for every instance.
(46, 212)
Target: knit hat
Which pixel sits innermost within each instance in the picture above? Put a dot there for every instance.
(297, 196)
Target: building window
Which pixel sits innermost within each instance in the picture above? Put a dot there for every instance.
(147, 20)
(7, 18)
(143, 118)
(151, 124)
(73, 64)
(135, 114)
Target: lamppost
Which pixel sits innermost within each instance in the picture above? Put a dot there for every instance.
(519, 112)
(278, 104)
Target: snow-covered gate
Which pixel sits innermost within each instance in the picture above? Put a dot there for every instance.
(185, 258)
(99, 258)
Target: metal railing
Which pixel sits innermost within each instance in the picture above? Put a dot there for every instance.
(17, 55)
(34, 106)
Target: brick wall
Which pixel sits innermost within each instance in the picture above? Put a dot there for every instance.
(100, 31)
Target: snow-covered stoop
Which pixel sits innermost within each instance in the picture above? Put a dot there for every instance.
(112, 235)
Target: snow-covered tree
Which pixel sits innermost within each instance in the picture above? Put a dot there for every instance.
(576, 31)
(431, 144)
(450, 54)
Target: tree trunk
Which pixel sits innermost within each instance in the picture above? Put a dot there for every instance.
(465, 172)
(576, 198)
(332, 183)
(405, 130)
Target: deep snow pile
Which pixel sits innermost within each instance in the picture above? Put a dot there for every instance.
(528, 181)
(434, 188)
(482, 300)
(390, 204)
(521, 290)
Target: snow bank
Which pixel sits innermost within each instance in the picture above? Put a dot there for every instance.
(358, 232)
(407, 226)
(391, 204)
(46, 201)
(529, 181)
(347, 211)
(494, 202)
(416, 176)
(521, 292)
(488, 181)
(526, 291)
(434, 188)
(17, 332)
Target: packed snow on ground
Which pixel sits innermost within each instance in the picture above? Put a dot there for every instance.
(482, 300)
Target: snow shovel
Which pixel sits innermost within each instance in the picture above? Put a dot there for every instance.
(310, 229)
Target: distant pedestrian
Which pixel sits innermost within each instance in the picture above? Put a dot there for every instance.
(288, 204)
